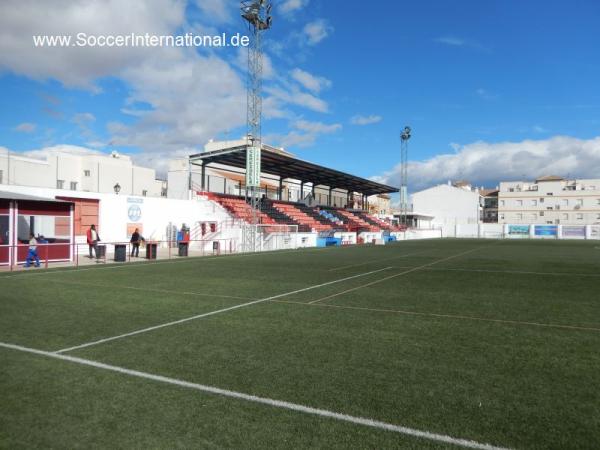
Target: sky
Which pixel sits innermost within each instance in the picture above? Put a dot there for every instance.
(493, 90)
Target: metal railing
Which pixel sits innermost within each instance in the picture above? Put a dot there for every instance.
(14, 257)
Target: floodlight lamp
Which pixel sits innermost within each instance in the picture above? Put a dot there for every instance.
(117, 188)
(405, 136)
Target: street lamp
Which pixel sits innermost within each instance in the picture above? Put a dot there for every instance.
(117, 188)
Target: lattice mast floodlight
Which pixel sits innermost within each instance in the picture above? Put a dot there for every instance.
(257, 14)
(404, 137)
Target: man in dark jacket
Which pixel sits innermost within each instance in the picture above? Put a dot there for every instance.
(136, 238)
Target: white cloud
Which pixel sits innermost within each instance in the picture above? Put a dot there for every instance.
(311, 82)
(43, 153)
(451, 40)
(485, 163)
(485, 94)
(304, 133)
(316, 127)
(317, 30)
(26, 127)
(290, 6)
(215, 10)
(454, 41)
(297, 97)
(365, 120)
(80, 66)
(82, 118)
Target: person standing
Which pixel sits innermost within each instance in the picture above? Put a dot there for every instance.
(92, 240)
(136, 238)
(32, 254)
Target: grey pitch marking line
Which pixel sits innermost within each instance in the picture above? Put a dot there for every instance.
(443, 316)
(377, 260)
(263, 400)
(212, 313)
(414, 269)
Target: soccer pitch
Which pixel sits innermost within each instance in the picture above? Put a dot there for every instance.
(418, 344)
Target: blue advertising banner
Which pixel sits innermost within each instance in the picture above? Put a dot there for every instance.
(546, 230)
(573, 231)
(518, 229)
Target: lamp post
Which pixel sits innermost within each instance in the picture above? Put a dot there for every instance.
(117, 188)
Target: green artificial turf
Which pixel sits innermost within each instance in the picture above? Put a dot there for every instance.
(492, 341)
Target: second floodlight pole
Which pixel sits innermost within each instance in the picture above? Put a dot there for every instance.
(404, 137)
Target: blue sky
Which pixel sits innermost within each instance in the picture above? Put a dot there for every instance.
(492, 89)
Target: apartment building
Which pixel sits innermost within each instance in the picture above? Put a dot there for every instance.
(550, 200)
(87, 172)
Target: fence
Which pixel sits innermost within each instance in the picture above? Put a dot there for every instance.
(77, 254)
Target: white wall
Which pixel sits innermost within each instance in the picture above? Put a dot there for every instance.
(448, 205)
(90, 173)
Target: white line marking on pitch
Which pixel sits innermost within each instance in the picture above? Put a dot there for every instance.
(517, 272)
(212, 313)
(373, 261)
(263, 400)
(396, 275)
(510, 272)
(148, 289)
(443, 316)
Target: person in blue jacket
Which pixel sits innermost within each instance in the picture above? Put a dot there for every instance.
(32, 254)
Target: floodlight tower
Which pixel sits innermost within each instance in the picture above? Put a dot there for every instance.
(257, 14)
(404, 137)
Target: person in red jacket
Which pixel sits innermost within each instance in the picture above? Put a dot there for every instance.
(92, 240)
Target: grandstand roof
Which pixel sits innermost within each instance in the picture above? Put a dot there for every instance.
(285, 166)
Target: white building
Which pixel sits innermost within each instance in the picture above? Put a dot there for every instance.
(448, 205)
(85, 172)
(550, 200)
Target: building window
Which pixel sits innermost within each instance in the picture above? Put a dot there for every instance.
(501, 202)
(579, 202)
(501, 216)
(534, 202)
(2, 178)
(565, 216)
(541, 200)
(519, 216)
(519, 202)
(73, 185)
(597, 200)
(541, 213)
(579, 216)
(144, 193)
(60, 184)
(86, 173)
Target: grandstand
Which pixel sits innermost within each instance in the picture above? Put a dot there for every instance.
(309, 217)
